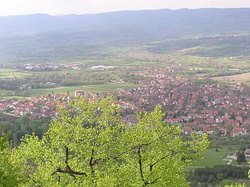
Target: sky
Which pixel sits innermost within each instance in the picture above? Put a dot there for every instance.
(58, 7)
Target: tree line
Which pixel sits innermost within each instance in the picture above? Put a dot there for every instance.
(19, 126)
(214, 175)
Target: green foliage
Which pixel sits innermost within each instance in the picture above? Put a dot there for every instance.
(240, 156)
(213, 158)
(218, 174)
(87, 145)
(18, 127)
(10, 174)
(159, 151)
(236, 185)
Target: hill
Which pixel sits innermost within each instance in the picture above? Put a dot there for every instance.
(41, 37)
(160, 23)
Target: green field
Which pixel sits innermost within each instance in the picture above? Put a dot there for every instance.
(213, 158)
(86, 89)
(11, 73)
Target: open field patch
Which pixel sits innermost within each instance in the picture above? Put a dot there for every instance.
(245, 77)
(213, 158)
(13, 73)
(86, 89)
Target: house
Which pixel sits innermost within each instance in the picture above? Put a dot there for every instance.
(247, 152)
(223, 132)
(239, 119)
(186, 130)
(79, 93)
(210, 121)
(247, 121)
(208, 130)
(238, 131)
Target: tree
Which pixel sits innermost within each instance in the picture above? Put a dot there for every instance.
(158, 152)
(87, 145)
(240, 156)
(10, 174)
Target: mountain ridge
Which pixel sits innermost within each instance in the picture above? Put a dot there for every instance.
(165, 22)
(41, 37)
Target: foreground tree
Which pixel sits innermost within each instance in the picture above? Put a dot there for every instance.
(10, 174)
(156, 154)
(87, 145)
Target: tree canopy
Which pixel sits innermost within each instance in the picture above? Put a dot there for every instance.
(88, 145)
(9, 170)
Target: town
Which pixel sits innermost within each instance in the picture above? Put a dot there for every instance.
(134, 94)
(215, 108)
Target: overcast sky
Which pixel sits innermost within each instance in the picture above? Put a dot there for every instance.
(55, 7)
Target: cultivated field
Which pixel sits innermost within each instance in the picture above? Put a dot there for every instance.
(245, 77)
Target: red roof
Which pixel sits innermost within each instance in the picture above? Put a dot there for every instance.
(237, 130)
(187, 129)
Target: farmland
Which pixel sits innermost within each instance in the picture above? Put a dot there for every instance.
(245, 77)
(41, 78)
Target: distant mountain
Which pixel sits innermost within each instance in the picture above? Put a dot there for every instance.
(147, 23)
(30, 23)
(42, 38)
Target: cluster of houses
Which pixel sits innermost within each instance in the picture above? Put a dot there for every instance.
(50, 66)
(202, 108)
(43, 106)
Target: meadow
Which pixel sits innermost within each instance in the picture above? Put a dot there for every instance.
(87, 89)
(214, 158)
(12, 73)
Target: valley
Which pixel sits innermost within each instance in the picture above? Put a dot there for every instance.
(193, 65)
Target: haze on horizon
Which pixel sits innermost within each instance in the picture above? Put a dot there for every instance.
(55, 7)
